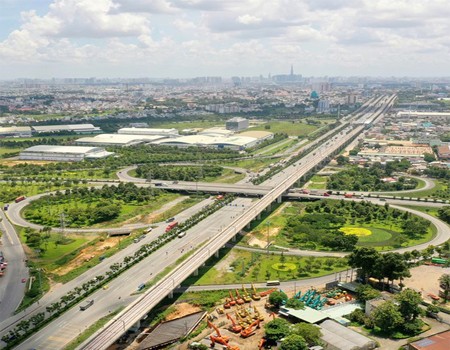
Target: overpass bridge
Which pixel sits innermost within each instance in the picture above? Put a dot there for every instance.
(103, 338)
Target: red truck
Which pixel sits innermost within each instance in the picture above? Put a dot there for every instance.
(348, 195)
(19, 199)
(171, 226)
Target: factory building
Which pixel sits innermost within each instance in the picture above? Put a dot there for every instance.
(76, 128)
(149, 131)
(237, 124)
(117, 140)
(63, 153)
(15, 131)
(260, 135)
(234, 142)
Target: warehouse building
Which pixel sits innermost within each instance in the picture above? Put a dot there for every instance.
(117, 140)
(15, 131)
(149, 131)
(63, 153)
(260, 135)
(216, 131)
(233, 142)
(237, 124)
(76, 128)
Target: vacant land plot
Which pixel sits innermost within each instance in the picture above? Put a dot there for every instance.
(291, 128)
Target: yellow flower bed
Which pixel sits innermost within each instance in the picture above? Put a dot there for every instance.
(357, 231)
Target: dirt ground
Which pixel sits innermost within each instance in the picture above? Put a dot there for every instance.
(271, 231)
(182, 309)
(425, 279)
(11, 163)
(88, 253)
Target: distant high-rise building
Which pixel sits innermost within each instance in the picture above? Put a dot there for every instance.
(323, 106)
(288, 78)
(292, 70)
(351, 99)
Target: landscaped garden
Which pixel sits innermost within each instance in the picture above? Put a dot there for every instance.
(109, 205)
(236, 266)
(338, 225)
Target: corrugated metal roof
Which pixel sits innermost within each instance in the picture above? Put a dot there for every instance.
(61, 149)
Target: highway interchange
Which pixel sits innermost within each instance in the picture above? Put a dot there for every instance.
(214, 232)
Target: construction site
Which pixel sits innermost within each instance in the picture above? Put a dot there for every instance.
(237, 323)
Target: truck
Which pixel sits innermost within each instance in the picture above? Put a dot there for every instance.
(348, 195)
(171, 226)
(86, 305)
(19, 199)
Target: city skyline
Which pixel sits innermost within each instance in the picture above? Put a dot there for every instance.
(188, 38)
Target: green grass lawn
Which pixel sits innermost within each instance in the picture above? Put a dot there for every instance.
(318, 182)
(287, 127)
(40, 214)
(237, 266)
(431, 193)
(255, 164)
(277, 147)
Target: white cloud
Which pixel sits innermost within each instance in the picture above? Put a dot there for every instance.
(195, 37)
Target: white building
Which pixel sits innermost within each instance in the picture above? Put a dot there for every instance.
(15, 131)
(117, 140)
(323, 106)
(149, 131)
(234, 142)
(63, 153)
(76, 128)
(237, 124)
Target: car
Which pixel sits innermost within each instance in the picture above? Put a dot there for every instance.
(24, 280)
(326, 194)
(105, 287)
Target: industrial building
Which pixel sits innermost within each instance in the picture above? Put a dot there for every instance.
(260, 135)
(233, 142)
(63, 153)
(117, 140)
(413, 114)
(15, 131)
(237, 124)
(76, 128)
(216, 131)
(149, 131)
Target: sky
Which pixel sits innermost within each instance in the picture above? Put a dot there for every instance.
(190, 38)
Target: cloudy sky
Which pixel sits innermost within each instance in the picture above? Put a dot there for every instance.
(188, 38)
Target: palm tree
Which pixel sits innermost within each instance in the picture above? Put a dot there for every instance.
(444, 283)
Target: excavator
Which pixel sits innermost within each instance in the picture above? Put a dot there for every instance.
(255, 295)
(221, 339)
(267, 292)
(232, 301)
(239, 300)
(246, 297)
(247, 332)
(273, 314)
(257, 315)
(235, 328)
(261, 343)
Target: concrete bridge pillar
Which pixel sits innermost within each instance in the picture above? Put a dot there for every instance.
(196, 272)
(258, 217)
(170, 295)
(279, 199)
(216, 254)
(233, 239)
(248, 226)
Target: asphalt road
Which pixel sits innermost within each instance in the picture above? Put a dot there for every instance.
(11, 287)
(70, 324)
(61, 289)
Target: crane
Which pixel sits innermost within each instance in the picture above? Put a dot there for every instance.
(234, 327)
(247, 332)
(219, 338)
(255, 295)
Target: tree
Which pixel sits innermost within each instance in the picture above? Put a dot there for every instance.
(429, 157)
(367, 259)
(394, 266)
(276, 329)
(444, 283)
(277, 298)
(341, 160)
(367, 292)
(294, 342)
(311, 333)
(387, 317)
(295, 304)
(409, 304)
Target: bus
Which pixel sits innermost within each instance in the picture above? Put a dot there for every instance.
(273, 283)
(171, 226)
(87, 305)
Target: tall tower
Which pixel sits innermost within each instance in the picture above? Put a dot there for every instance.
(292, 70)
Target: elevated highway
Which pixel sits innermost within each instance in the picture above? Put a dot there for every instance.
(133, 313)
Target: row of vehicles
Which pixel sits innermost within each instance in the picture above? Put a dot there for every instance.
(3, 264)
(328, 193)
